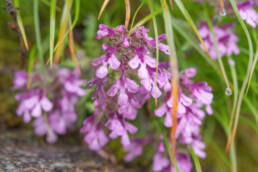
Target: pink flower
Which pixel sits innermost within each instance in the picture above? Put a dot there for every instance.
(107, 59)
(135, 148)
(119, 127)
(53, 93)
(226, 40)
(95, 136)
(248, 13)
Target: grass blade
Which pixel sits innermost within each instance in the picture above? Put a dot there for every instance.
(252, 108)
(62, 31)
(30, 65)
(128, 13)
(146, 19)
(20, 24)
(71, 48)
(52, 30)
(245, 82)
(190, 39)
(254, 61)
(196, 160)
(135, 14)
(103, 7)
(37, 32)
(190, 21)
(217, 49)
(174, 72)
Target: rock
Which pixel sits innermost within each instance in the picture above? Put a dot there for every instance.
(19, 153)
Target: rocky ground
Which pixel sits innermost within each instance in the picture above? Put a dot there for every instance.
(21, 153)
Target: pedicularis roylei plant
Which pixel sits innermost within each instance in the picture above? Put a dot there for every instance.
(129, 78)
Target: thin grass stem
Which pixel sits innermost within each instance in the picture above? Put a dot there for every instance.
(37, 32)
(245, 82)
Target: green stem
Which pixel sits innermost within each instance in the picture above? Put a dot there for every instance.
(174, 71)
(52, 30)
(196, 160)
(146, 19)
(254, 61)
(248, 72)
(217, 49)
(135, 14)
(235, 83)
(37, 32)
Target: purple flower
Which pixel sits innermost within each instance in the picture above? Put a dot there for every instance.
(95, 136)
(32, 105)
(183, 162)
(120, 127)
(248, 13)
(107, 59)
(226, 40)
(42, 128)
(126, 78)
(20, 79)
(160, 161)
(191, 109)
(135, 148)
(122, 87)
(50, 100)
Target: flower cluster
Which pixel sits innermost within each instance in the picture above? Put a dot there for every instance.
(193, 98)
(162, 163)
(226, 40)
(248, 13)
(125, 80)
(50, 99)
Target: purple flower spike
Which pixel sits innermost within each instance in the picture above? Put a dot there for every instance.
(117, 97)
(191, 110)
(50, 100)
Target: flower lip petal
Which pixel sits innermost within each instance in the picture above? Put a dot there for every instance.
(134, 62)
(113, 62)
(102, 71)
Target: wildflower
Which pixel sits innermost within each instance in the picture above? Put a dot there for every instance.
(50, 100)
(194, 100)
(119, 127)
(226, 40)
(95, 136)
(125, 80)
(162, 163)
(248, 13)
(135, 148)
(120, 98)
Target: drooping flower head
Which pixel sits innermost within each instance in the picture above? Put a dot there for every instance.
(50, 100)
(226, 40)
